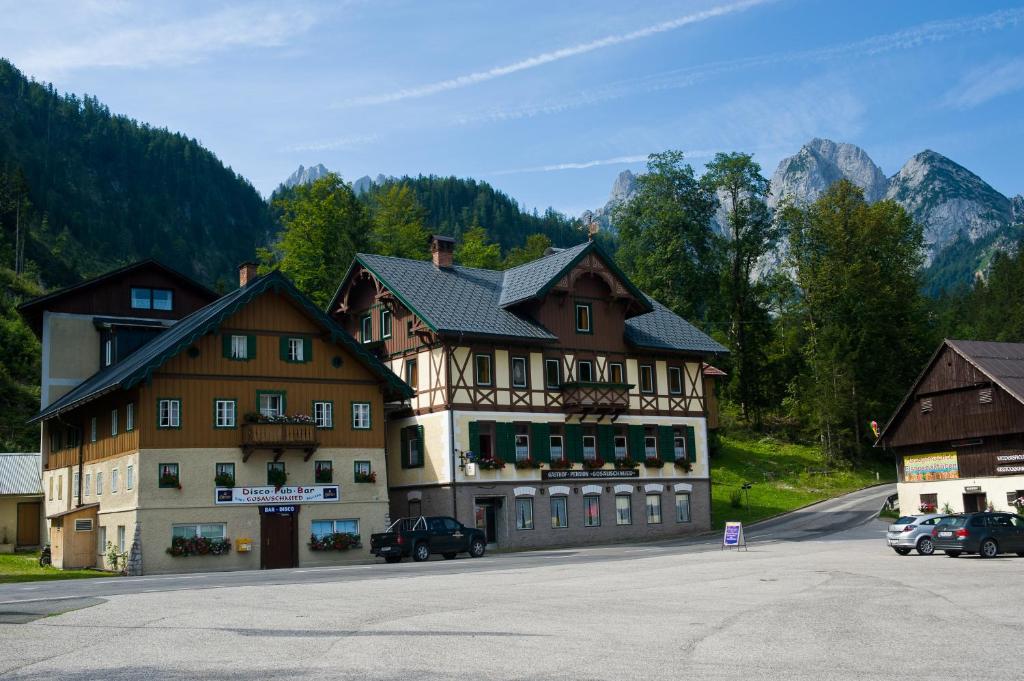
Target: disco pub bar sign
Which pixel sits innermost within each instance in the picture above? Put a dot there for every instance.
(269, 494)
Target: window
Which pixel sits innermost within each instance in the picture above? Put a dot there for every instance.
(60, 488)
(152, 299)
(409, 333)
(591, 511)
(414, 457)
(615, 374)
(653, 509)
(929, 502)
(129, 477)
(559, 512)
(114, 480)
(483, 370)
(108, 352)
(524, 513)
(323, 472)
(88, 485)
(366, 329)
(295, 350)
(222, 471)
(92, 429)
(169, 413)
(74, 484)
(55, 439)
(101, 535)
(385, 323)
(361, 470)
(168, 476)
(682, 507)
(83, 525)
(675, 380)
(522, 443)
(275, 472)
(361, 415)
(589, 447)
(51, 488)
(519, 379)
(620, 447)
(623, 509)
(585, 371)
(113, 422)
(646, 378)
(271, 404)
(99, 483)
(650, 447)
(322, 528)
(239, 347)
(553, 373)
(583, 321)
(129, 417)
(72, 437)
(208, 530)
(323, 414)
(557, 452)
(120, 539)
(224, 413)
(412, 377)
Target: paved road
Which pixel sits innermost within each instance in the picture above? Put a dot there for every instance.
(818, 596)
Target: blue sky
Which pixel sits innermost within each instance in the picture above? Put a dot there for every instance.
(548, 101)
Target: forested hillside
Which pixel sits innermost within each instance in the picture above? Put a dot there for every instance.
(107, 190)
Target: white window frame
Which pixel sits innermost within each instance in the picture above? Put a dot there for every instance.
(88, 485)
(679, 447)
(521, 361)
(323, 414)
(564, 517)
(108, 352)
(589, 328)
(272, 408)
(679, 496)
(621, 450)
(115, 478)
(522, 521)
(129, 417)
(628, 519)
(74, 484)
(92, 429)
(295, 350)
(586, 500)
(651, 446)
(476, 369)
(99, 483)
(560, 447)
(198, 528)
(113, 422)
(592, 448)
(590, 371)
(675, 371)
(622, 372)
(225, 413)
(647, 369)
(386, 329)
(129, 477)
(239, 346)
(648, 507)
(334, 525)
(361, 416)
(169, 413)
(522, 442)
(366, 329)
(558, 373)
(121, 538)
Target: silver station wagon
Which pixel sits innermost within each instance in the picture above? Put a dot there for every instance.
(913, 532)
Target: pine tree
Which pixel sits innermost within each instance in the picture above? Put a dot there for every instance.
(398, 224)
(475, 250)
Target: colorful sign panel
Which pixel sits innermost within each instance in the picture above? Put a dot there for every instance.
(733, 535)
(269, 494)
(925, 467)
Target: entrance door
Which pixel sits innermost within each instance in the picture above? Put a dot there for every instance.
(486, 519)
(278, 535)
(28, 523)
(974, 503)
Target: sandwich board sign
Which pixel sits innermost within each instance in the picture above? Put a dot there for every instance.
(733, 536)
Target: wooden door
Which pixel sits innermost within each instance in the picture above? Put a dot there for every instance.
(278, 546)
(29, 513)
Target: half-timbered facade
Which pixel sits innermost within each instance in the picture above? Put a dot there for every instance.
(554, 403)
(958, 435)
(248, 434)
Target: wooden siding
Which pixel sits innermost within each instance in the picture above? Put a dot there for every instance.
(973, 461)
(950, 371)
(106, 445)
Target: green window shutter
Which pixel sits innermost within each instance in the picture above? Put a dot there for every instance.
(250, 347)
(574, 442)
(474, 437)
(225, 345)
(404, 446)
(636, 442)
(606, 441)
(506, 435)
(420, 453)
(307, 349)
(283, 346)
(691, 444)
(666, 443)
(540, 442)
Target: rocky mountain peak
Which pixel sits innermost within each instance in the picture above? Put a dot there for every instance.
(623, 188)
(806, 175)
(305, 175)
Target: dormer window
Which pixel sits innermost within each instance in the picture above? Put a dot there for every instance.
(152, 299)
(366, 329)
(584, 323)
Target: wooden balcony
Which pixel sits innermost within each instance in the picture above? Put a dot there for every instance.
(584, 397)
(278, 437)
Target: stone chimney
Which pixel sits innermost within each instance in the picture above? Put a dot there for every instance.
(442, 250)
(246, 273)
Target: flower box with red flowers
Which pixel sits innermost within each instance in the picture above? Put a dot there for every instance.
(492, 463)
(561, 464)
(198, 546)
(363, 476)
(593, 464)
(927, 508)
(684, 464)
(654, 462)
(170, 481)
(528, 462)
(337, 541)
(625, 464)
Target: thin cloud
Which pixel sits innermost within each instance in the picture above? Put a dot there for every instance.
(171, 44)
(549, 57)
(578, 165)
(984, 84)
(335, 143)
(917, 36)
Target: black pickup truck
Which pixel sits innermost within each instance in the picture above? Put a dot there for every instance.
(419, 537)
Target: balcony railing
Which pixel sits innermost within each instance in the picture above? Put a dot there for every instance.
(595, 397)
(279, 437)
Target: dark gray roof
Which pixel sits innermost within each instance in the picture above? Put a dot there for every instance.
(139, 365)
(21, 473)
(478, 302)
(528, 280)
(663, 329)
(1002, 362)
(452, 300)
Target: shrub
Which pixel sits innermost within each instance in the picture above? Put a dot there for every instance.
(736, 498)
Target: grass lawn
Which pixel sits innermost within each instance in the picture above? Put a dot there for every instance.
(24, 567)
(780, 476)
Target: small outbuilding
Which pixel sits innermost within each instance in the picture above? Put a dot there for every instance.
(21, 501)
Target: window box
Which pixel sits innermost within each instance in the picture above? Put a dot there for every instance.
(336, 541)
(277, 476)
(927, 508)
(593, 464)
(560, 464)
(198, 546)
(492, 463)
(654, 462)
(224, 480)
(528, 462)
(363, 476)
(684, 464)
(626, 464)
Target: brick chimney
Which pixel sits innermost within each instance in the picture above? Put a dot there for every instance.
(246, 273)
(442, 250)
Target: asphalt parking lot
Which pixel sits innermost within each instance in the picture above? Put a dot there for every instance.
(817, 596)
